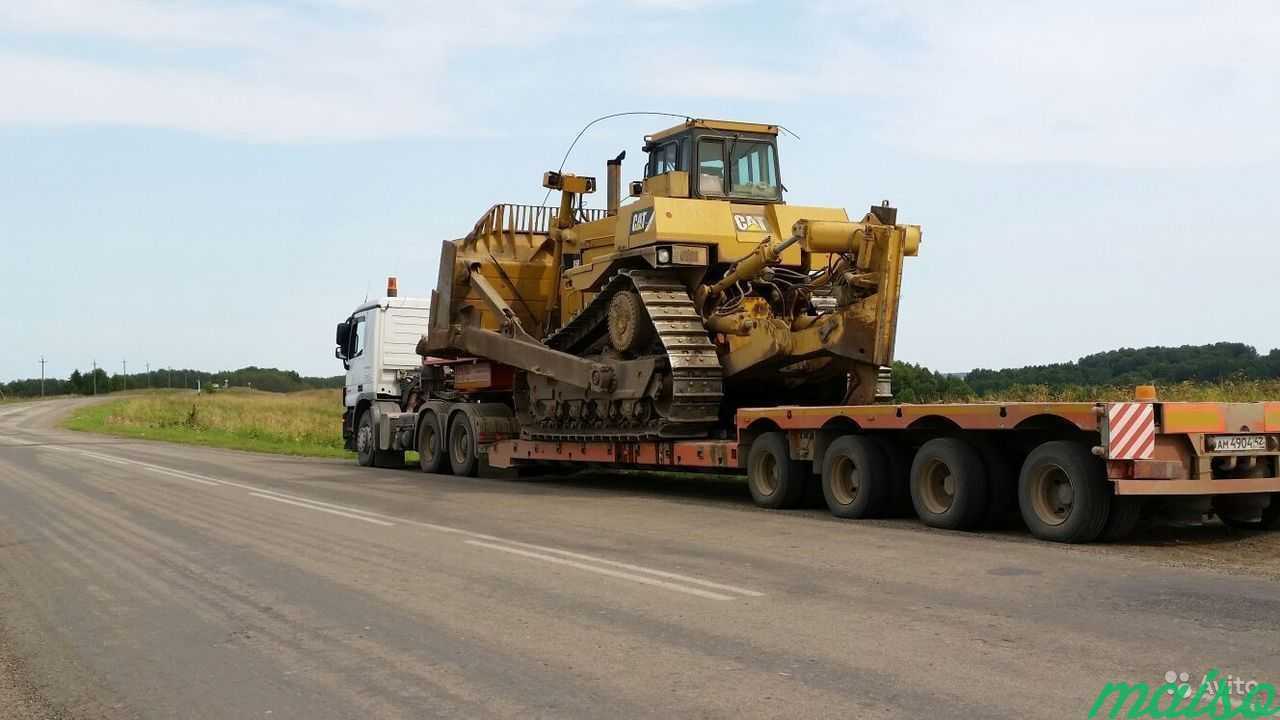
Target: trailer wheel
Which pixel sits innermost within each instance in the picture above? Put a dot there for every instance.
(776, 481)
(1124, 517)
(1271, 514)
(1268, 518)
(899, 465)
(462, 446)
(855, 478)
(432, 457)
(949, 484)
(364, 440)
(1063, 493)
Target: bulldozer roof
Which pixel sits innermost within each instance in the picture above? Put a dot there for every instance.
(722, 125)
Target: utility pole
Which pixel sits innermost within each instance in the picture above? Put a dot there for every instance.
(148, 376)
(42, 361)
(95, 377)
(170, 378)
(124, 373)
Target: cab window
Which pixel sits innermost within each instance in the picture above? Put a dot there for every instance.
(754, 170)
(357, 338)
(710, 167)
(665, 159)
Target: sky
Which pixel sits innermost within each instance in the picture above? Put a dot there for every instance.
(216, 183)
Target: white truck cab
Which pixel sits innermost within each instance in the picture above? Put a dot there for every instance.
(377, 345)
(449, 410)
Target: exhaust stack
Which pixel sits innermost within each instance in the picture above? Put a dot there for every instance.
(613, 182)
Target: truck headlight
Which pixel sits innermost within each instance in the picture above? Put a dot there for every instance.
(664, 256)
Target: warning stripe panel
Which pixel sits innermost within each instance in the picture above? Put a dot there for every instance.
(1131, 431)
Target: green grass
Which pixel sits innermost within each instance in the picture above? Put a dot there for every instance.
(301, 423)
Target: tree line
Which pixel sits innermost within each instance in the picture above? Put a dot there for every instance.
(1125, 367)
(101, 382)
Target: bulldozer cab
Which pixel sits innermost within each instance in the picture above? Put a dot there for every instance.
(719, 160)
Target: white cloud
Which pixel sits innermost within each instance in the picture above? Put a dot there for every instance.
(1109, 84)
(335, 70)
(1121, 84)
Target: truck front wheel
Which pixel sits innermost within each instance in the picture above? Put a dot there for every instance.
(776, 481)
(1063, 493)
(462, 446)
(949, 484)
(364, 440)
(431, 452)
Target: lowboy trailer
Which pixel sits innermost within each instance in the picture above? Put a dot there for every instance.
(1075, 471)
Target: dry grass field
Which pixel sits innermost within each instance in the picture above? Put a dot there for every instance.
(301, 423)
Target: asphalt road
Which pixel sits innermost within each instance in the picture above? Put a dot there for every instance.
(157, 581)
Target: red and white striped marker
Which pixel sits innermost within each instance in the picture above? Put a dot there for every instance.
(1131, 431)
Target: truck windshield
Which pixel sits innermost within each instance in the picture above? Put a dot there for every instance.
(754, 170)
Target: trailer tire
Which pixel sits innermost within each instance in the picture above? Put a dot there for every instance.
(1002, 486)
(776, 481)
(855, 478)
(1123, 518)
(1271, 514)
(949, 484)
(1269, 520)
(1063, 493)
(432, 457)
(899, 469)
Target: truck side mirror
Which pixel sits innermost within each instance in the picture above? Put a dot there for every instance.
(342, 336)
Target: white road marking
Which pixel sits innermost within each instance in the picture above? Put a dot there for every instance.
(181, 476)
(646, 576)
(642, 579)
(639, 568)
(317, 508)
(531, 546)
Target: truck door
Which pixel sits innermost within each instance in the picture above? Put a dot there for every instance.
(359, 359)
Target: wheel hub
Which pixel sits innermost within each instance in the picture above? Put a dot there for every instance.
(939, 488)
(1052, 495)
(846, 481)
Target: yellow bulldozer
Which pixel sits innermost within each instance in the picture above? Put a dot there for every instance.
(658, 317)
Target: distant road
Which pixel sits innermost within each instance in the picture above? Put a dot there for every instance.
(159, 581)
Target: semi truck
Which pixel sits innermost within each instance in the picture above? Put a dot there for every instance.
(677, 332)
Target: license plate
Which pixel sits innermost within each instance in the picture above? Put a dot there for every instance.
(1237, 443)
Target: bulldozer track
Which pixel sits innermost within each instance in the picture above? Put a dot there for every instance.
(692, 364)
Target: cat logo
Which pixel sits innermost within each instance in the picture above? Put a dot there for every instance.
(750, 223)
(641, 220)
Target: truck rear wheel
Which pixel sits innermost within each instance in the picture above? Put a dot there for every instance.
(431, 453)
(855, 478)
(462, 446)
(949, 484)
(1063, 493)
(776, 481)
